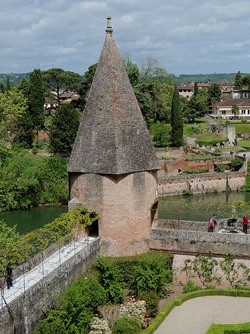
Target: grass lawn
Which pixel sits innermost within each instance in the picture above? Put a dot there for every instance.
(234, 328)
(242, 128)
(244, 143)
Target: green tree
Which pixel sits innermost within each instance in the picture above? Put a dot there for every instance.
(176, 120)
(85, 86)
(214, 95)
(57, 81)
(36, 100)
(196, 89)
(12, 108)
(63, 129)
(196, 107)
(238, 81)
(235, 110)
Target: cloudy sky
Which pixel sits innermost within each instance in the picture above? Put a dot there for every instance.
(184, 36)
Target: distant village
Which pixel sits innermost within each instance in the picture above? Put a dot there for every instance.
(234, 104)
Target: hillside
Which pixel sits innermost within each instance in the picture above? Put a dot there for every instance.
(214, 77)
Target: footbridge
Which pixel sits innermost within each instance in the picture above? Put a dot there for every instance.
(33, 291)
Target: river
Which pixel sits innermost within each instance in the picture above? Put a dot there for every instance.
(195, 207)
(200, 207)
(28, 220)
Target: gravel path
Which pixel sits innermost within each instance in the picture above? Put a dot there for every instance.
(196, 315)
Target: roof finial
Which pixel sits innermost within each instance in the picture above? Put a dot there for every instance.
(109, 28)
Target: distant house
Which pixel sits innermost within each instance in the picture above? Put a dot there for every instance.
(186, 91)
(232, 109)
(51, 103)
(240, 94)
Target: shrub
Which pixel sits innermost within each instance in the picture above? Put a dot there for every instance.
(127, 325)
(190, 287)
(156, 265)
(151, 301)
(110, 278)
(236, 164)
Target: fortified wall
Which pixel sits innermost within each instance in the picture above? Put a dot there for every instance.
(201, 183)
(23, 313)
(191, 238)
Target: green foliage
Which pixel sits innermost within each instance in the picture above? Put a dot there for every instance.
(236, 163)
(36, 100)
(126, 325)
(176, 120)
(214, 95)
(204, 268)
(63, 129)
(196, 107)
(78, 306)
(85, 87)
(210, 139)
(190, 286)
(238, 81)
(110, 279)
(229, 328)
(59, 81)
(65, 227)
(151, 300)
(27, 180)
(150, 272)
(220, 168)
(12, 109)
(161, 134)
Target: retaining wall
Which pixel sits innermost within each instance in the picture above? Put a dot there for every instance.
(201, 183)
(29, 308)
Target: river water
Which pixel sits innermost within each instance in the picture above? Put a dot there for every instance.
(28, 220)
(195, 207)
(200, 207)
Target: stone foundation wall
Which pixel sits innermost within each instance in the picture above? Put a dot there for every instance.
(29, 308)
(201, 183)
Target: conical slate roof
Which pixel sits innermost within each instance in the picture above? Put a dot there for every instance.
(112, 137)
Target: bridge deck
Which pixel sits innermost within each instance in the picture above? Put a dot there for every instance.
(30, 278)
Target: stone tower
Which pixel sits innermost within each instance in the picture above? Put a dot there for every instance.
(113, 166)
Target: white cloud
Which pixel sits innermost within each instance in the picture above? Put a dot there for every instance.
(187, 36)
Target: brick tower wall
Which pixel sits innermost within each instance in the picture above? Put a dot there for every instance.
(124, 204)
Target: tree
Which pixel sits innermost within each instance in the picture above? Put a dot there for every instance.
(176, 120)
(196, 107)
(214, 95)
(235, 110)
(57, 81)
(85, 86)
(196, 89)
(12, 108)
(63, 129)
(36, 100)
(238, 81)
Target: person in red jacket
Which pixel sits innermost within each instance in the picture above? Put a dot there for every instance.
(245, 222)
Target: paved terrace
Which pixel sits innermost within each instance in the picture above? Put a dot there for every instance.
(30, 278)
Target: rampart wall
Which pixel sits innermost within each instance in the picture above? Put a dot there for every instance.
(201, 183)
(192, 238)
(29, 308)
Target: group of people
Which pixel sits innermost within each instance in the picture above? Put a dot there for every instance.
(213, 223)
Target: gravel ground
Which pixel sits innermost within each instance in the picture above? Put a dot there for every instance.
(196, 315)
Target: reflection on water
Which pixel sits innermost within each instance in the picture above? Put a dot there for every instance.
(28, 220)
(200, 207)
